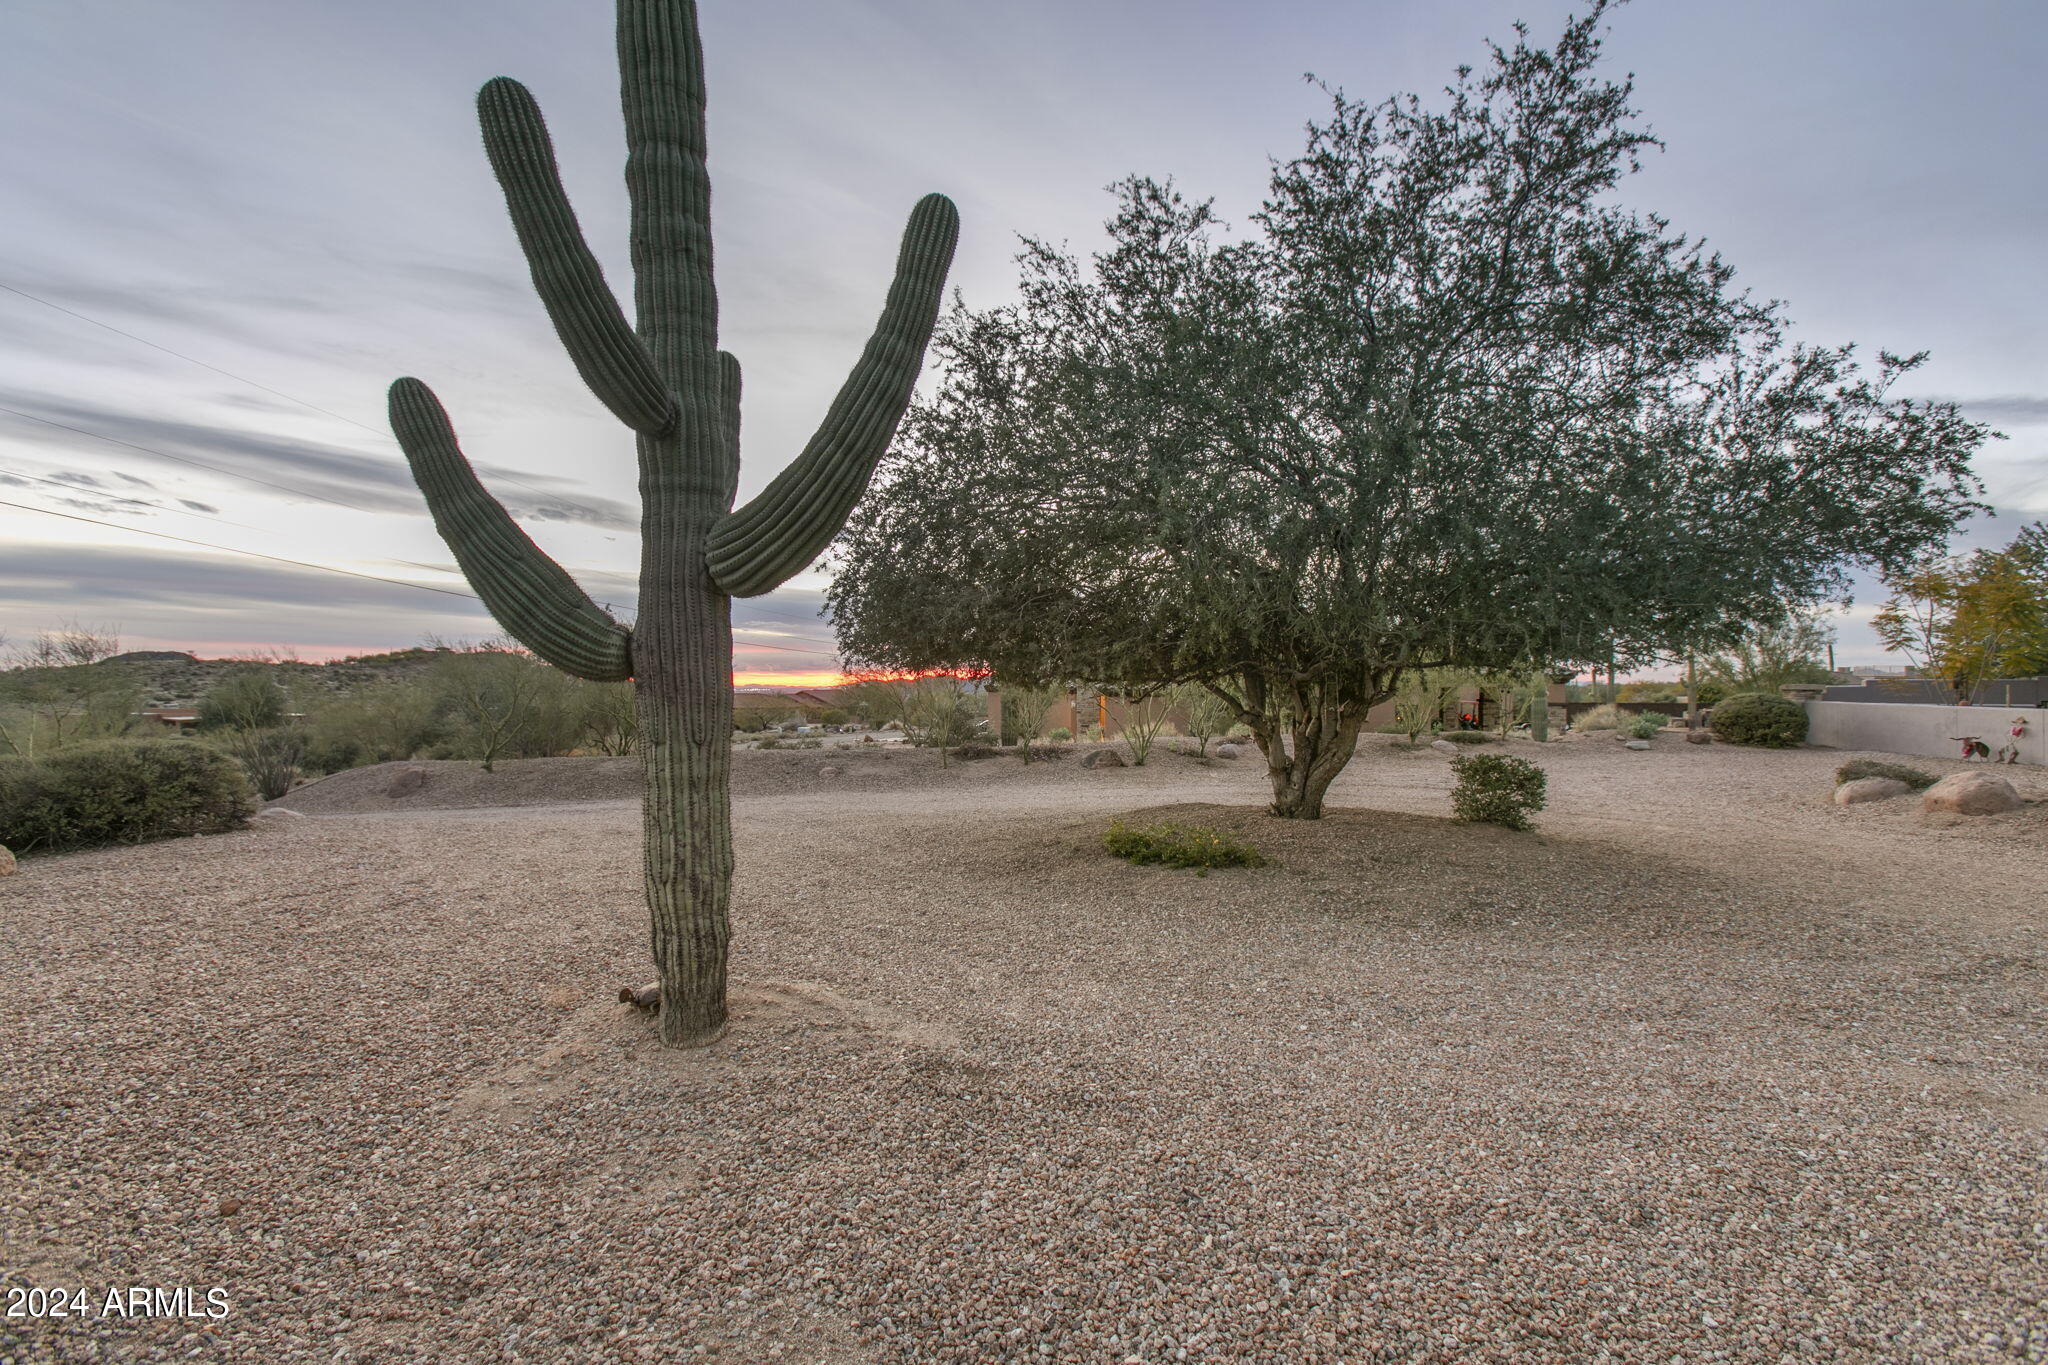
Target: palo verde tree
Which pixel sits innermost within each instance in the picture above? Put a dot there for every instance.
(669, 383)
(1448, 405)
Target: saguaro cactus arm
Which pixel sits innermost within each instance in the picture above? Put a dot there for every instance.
(781, 531)
(531, 596)
(607, 353)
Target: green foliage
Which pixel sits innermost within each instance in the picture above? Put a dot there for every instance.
(1444, 341)
(1643, 725)
(938, 715)
(1790, 648)
(1857, 768)
(64, 689)
(1758, 719)
(1466, 737)
(1204, 714)
(1143, 719)
(384, 721)
(1024, 708)
(1496, 789)
(273, 758)
(1713, 690)
(120, 792)
(1172, 845)
(248, 699)
(1969, 619)
(1060, 734)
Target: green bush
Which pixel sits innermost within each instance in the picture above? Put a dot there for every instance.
(120, 792)
(1762, 720)
(1494, 789)
(1179, 846)
(1466, 736)
(1061, 735)
(1644, 725)
(1870, 767)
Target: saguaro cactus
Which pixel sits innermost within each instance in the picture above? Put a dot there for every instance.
(680, 394)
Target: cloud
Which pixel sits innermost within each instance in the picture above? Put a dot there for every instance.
(188, 593)
(2015, 409)
(290, 466)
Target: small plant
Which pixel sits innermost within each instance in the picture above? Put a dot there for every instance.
(1169, 845)
(273, 758)
(1608, 717)
(1060, 734)
(1643, 725)
(1758, 719)
(1869, 767)
(1467, 736)
(120, 792)
(1494, 789)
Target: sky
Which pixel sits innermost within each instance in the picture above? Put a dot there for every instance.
(231, 223)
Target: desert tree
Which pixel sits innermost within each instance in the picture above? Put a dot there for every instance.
(1968, 618)
(665, 378)
(1024, 709)
(1204, 714)
(1446, 404)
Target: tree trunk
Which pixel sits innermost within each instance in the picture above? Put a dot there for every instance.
(1301, 772)
(1692, 694)
(682, 666)
(1539, 708)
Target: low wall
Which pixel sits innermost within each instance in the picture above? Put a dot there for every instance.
(1935, 731)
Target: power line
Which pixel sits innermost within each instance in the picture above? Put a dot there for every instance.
(197, 464)
(138, 502)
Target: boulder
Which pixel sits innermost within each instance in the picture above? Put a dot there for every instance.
(8, 867)
(828, 771)
(1971, 794)
(1869, 789)
(1699, 737)
(1103, 758)
(406, 781)
(1229, 751)
(1637, 744)
(1444, 746)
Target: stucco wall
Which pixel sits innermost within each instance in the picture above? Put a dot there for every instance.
(1936, 731)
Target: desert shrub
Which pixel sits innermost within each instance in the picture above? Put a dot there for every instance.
(772, 743)
(1466, 736)
(1608, 717)
(273, 759)
(1171, 845)
(1060, 734)
(1643, 725)
(1869, 767)
(375, 724)
(970, 752)
(120, 792)
(1765, 721)
(1495, 789)
(247, 699)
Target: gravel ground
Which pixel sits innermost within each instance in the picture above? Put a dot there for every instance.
(1704, 1069)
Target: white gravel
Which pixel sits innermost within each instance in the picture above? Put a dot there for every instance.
(1706, 1069)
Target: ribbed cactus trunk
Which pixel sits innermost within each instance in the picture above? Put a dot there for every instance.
(667, 380)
